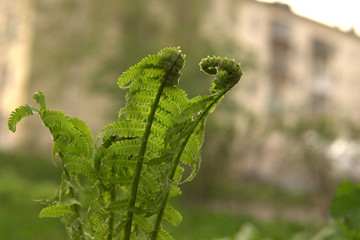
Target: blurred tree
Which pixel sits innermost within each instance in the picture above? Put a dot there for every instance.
(81, 47)
(87, 44)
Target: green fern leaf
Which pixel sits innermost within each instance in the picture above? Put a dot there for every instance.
(177, 95)
(121, 205)
(125, 129)
(195, 106)
(149, 185)
(138, 71)
(164, 235)
(142, 222)
(159, 66)
(126, 147)
(69, 141)
(85, 131)
(117, 161)
(40, 99)
(76, 165)
(56, 211)
(20, 113)
(172, 215)
(59, 143)
(134, 112)
(118, 180)
(165, 158)
(53, 118)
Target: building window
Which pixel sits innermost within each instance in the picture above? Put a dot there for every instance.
(280, 47)
(321, 53)
(280, 52)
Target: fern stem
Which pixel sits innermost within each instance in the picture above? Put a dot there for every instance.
(176, 161)
(112, 213)
(73, 195)
(144, 141)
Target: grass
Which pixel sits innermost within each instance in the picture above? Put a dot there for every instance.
(23, 179)
(205, 224)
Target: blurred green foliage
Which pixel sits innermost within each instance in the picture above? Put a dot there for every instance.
(206, 224)
(25, 178)
(22, 180)
(88, 43)
(345, 208)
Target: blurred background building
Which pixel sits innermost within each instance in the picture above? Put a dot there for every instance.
(301, 67)
(305, 80)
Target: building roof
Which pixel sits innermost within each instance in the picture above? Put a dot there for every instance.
(286, 7)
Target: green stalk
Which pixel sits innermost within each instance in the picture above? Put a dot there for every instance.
(73, 195)
(140, 160)
(112, 214)
(176, 163)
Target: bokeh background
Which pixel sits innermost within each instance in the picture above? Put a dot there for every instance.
(275, 149)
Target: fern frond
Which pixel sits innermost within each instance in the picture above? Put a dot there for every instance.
(195, 106)
(56, 211)
(172, 215)
(125, 129)
(148, 84)
(126, 147)
(228, 72)
(140, 70)
(141, 161)
(142, 222)
(134, 112)
(177, 95)
(59, 143)
(69, 141)
(76, 165)
(165, 158)
(174, 191)
(52, 118)
(117, 161)
(120, 205)
(164, 235)
(171, 61)
(192, 153)
(159, 66)
(85, 131)
(40, 99)
(149, 184)
(118, 180)
(20, 113)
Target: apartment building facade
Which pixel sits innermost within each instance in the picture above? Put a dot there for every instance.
(303, 67)
(304, 70)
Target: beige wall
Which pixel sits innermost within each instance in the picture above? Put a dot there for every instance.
(15, 44)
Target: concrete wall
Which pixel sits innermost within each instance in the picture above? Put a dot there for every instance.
(15, 46)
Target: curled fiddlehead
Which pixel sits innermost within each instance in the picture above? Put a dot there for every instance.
(227, 72)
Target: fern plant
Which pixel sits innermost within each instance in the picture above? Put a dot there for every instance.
(118, 185)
